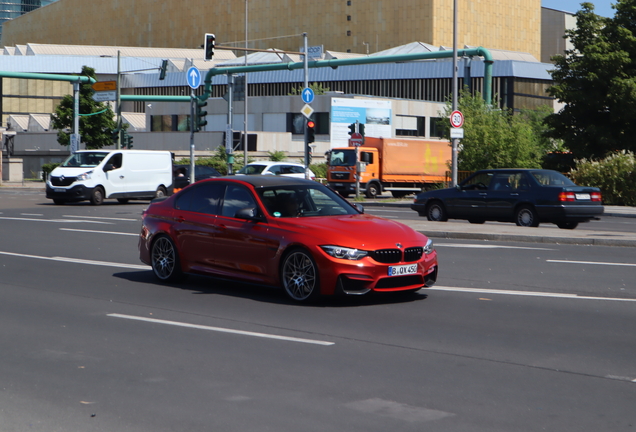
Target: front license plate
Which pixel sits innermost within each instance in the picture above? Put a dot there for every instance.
(60, 190)
(403, 270)
(582, 196)
(338, 184)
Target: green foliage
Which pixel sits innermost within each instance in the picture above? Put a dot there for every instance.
(277, 156)
(218, 161)
(596, 81)
(95, 130)
(316, 87)
(615, 176)
(320, 170)
(495, 138)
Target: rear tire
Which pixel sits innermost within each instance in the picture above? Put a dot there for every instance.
(567, 225)
(161, 192)
(299, 276)
(164, 259)
(97, 196)
(526, 216)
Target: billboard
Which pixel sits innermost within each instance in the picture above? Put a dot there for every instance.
(376, 116)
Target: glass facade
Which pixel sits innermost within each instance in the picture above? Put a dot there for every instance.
(10, 9)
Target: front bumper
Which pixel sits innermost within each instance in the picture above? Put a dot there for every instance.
(75, 193)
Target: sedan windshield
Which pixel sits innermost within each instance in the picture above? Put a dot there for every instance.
(84, 160)
(303, 201)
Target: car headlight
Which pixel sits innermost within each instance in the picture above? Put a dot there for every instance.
(429, 248)
(85, 176)
(344, 253)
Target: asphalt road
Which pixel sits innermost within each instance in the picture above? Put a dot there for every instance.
(516, 336)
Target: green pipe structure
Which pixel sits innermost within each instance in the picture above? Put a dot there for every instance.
(49, 77)
(334, 63)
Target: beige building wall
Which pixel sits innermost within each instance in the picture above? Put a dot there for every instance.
(338, 25)
(555, 23)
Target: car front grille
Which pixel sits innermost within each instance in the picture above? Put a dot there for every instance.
(62, 181)
(394, 256)
(340, 175)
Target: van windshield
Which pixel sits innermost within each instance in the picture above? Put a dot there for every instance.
(85, 159)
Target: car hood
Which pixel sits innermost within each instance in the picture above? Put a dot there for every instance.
(356, 231)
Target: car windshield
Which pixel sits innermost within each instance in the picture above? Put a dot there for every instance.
(551, 178)
(251, 169)
(85, 159)
(342, 158)
(303, 201)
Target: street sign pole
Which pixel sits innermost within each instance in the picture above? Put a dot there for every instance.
(455, 94)
(193, 121)
(306, 64)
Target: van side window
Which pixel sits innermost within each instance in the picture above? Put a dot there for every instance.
(115, 160)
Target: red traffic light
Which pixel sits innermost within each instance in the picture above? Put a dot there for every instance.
(311, 124)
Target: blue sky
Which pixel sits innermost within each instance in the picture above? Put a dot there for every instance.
(601, 7)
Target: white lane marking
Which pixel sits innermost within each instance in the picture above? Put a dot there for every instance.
(224, 330)
(100, 217)
(31, 214)
(55, 220)
(592, 262)
(79, 261)
(488, 246)
(528, 293)
(98, 232)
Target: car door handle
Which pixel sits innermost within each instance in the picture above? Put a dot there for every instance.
(121, 176)
(514, 194)
(483, 193)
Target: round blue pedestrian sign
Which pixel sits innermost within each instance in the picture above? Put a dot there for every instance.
(193, 76)
(307, 95)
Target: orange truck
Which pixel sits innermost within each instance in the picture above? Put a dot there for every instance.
(396, 165)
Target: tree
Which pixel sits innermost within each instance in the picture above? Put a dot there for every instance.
(596, 80)
(96, 122)
(495, 138)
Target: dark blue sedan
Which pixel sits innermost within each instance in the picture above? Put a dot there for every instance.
(524, 196)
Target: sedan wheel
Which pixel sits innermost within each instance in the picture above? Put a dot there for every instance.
(527, 217)
(299, 276)
(435, 212)
(165, 260)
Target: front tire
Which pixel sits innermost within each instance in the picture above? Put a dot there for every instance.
(435, 212)
(164, 259)
(97, 196)
(527, 216)
(299, 276)
(372, 190)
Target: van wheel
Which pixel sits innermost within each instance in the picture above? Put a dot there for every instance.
(161, 192)
(97, 196)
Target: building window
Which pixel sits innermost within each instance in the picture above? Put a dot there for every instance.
(348, 2)
(348, 17)
(169, 123)
(348, 32)
(436, 128)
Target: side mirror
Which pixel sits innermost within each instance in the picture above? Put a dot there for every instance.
(359, 207)
(248, 213)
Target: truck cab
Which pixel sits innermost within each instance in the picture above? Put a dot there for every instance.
(342, 169)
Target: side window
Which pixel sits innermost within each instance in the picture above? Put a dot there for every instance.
(501, 182)
(293, 169)
(115, 160)
(204, 198)
(479, 181)
(236, 198)
(275, 169)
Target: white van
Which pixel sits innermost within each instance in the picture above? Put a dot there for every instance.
(122, 174)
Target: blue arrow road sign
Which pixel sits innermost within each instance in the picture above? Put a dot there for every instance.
(308, 95)
(193, 76)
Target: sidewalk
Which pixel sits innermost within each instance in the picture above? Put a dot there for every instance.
(493, 231)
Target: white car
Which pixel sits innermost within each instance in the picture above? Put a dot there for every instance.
(286, 169)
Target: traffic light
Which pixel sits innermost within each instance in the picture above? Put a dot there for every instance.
(311, 131)
(361, 129)
(352, 128)
(162, 70)
(114, 135)
(200, 120)
(129, 141)
(209, 46)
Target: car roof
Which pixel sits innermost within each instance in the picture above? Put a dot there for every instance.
(266, 180)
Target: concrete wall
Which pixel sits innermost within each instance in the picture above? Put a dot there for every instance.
(338, 25)
(554, 25)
